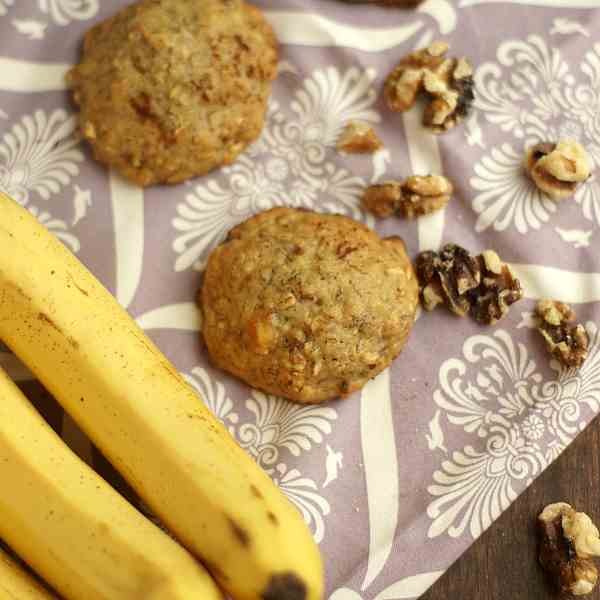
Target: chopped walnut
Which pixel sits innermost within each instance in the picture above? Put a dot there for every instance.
(382, 199)
(447, 82)
(359, 138)
(568, 540)
(89, 131)
(498, 290)
(418, 195)
(565, 341)
(447, 277)
(557, 169)
(422, 195)
(482, 286)
(261, 335)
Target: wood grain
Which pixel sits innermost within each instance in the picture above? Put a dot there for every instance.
(502, 564)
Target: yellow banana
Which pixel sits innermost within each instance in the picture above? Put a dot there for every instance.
(150, 424)
(17, 584)
(66, 522)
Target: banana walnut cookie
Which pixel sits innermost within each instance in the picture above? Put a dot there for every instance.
(169, 90)
(307, 306)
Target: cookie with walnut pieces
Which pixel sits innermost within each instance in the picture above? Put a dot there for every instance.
(307, 306)
(170, 89)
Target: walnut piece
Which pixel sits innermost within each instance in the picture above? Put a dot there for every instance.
(446, 278)
(424, 194)
(482, 286)
(382, 199)
(416, 196)
(565, 341)
(557, 169)
(568, 540)
(358, 138)
(498, 290)
(447, 83)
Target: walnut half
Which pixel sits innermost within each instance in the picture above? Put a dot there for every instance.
(424, 194)
(557, 169)
(447, 83)
(568, 540)
(416, 196)
(564, 340)
(482, 286)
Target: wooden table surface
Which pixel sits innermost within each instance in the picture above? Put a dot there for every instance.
(502, 563)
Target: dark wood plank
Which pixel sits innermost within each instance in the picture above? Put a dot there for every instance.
(502, 564)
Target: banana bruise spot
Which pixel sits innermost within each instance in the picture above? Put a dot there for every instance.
(77, 286)
(255, 491)
(273, 518)
(240, 534)
(217, 572)
(285, 586)
(17, 288)
(46, 319)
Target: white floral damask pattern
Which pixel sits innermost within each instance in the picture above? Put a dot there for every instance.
(4, 4)
(289, 165)
(39, 154)
(281, 424)
(532, 93)
(519, 422)
(214, 396)
(277, 425)
(64, 12)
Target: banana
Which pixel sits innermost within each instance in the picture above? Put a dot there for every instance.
(16, 584)
(123, 392)
(73, 529)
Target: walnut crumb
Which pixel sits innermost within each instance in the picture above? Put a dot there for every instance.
(557, 169)
(566, 341)
(416, 196)
(568, 541)
(482, 286)
(447, 83)
(261, 335)
(358, 138)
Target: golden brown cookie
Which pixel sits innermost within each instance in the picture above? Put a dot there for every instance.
(305, 305)
(170, 89)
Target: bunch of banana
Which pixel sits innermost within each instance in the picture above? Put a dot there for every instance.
(16, 584)
(73, 528)
(127, 397)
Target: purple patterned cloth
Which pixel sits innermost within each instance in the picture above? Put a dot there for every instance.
(396, 481)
